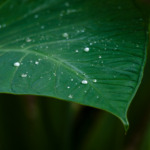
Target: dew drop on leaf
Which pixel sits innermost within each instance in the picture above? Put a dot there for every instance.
(84, 82)
(36, 62)
(86, 49)
(36, 16)
(28, 39)
(95, 80)
(70, 96)
(65, 35)
(42, 27)
(16, 64)
(24, 75)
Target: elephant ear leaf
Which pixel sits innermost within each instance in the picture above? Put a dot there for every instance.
(88, 52)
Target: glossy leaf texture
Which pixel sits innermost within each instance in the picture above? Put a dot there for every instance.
(88, 52)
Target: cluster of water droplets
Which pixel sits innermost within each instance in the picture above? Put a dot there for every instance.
(87, 49)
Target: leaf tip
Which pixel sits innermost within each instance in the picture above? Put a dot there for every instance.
(125, 124)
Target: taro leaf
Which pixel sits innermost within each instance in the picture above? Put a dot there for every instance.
(88, 52)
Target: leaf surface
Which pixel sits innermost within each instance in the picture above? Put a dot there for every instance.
(88, 52)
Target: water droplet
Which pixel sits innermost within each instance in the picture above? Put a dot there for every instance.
(77, 51)
(71, 11)
(54, 74)
(100, 57)
(68, 87)
(84, 82)
(42, 27)
(86, 49)
(36, 16)
(82, 30)
(70, 96)
(95, 80)
(28, 39)
(16, 64)
(24, 75)
(36, 62)
(71, 79)
(65, 35)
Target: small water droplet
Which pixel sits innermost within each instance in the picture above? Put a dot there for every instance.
(36, 62)
(65, 35)
(82, 30)
(100, 57)
(54, 74)
(84, 82)
(68, 87)
(95, 80)
(70, 96)
(36, 16)
(24, 75)
(86, 49)
(76, 51)
(42, 27)
(16, 64)
(28, 39)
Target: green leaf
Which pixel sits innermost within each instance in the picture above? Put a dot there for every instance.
(88, 52)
